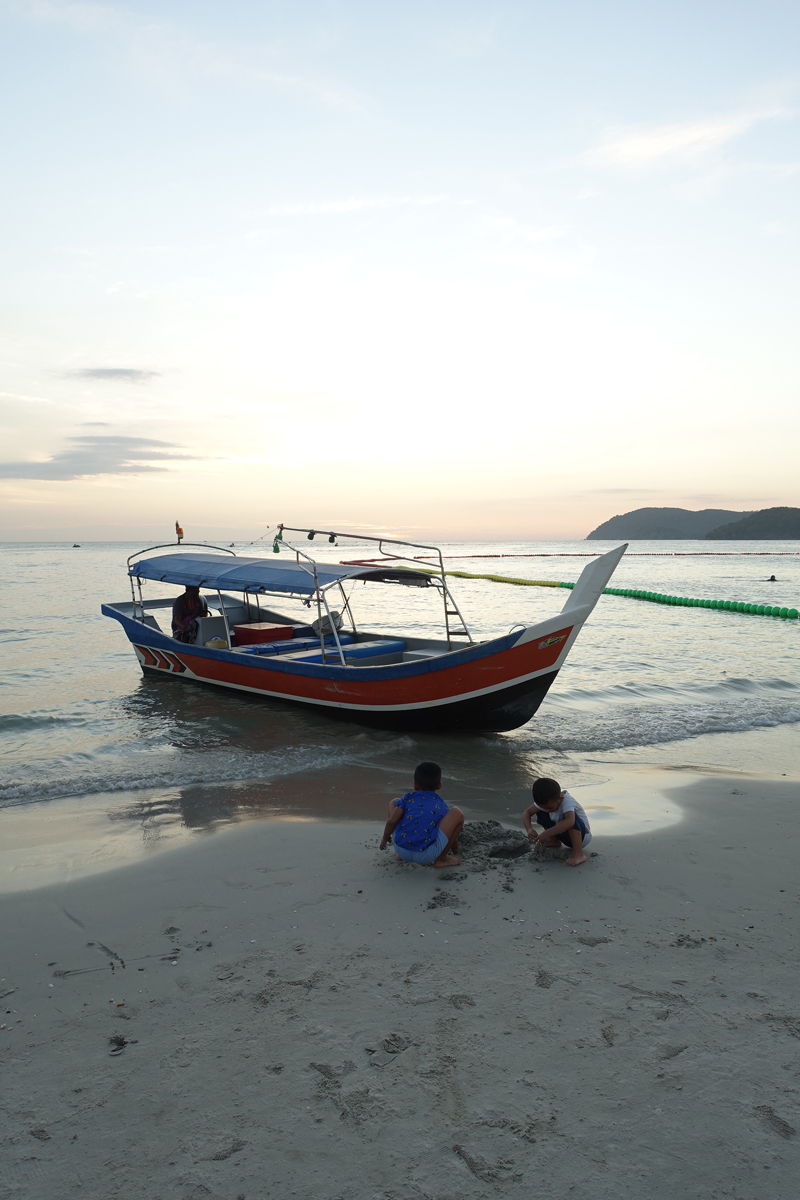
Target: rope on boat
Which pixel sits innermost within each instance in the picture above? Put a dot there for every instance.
(761, 610)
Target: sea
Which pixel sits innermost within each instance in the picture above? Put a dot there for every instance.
(100, 763)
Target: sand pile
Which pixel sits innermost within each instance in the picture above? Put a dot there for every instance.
(485, 844)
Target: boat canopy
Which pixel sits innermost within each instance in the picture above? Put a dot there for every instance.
(263, 575)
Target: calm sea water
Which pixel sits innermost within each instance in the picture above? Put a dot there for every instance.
(79, 719)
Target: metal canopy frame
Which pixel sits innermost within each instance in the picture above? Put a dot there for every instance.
(439, 580)
(166, 546)
(435, 577)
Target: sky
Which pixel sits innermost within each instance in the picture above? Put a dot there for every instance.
(443, 269)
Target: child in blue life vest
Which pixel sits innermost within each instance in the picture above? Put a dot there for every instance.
(424, 828)
(563, 820)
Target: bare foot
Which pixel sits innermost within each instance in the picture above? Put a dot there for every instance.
(447, 860)
(575, 859)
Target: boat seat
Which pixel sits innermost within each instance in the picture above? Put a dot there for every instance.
(356, 654)
(294, 645)
(209, 627)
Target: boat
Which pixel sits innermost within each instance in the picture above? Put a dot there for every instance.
(328, 663)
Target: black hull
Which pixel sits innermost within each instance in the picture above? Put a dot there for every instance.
(497, 712)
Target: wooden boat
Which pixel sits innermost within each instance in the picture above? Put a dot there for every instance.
(394, 682)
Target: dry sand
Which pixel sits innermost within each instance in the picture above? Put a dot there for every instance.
(301, 1015)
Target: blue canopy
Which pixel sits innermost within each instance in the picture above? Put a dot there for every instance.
(262, 574)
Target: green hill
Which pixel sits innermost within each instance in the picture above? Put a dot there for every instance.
(643, 523)
(775, 524)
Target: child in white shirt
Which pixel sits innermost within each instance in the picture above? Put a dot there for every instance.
(563, 820)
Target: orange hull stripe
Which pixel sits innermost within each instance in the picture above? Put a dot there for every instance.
(482, 673)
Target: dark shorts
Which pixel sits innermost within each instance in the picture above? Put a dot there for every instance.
(546, 821)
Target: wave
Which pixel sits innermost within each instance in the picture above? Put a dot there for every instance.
(642, 726)
(21, 722)
(218, 767)
(683, 691)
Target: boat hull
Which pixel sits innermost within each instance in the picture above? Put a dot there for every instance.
(498, 712)
(491, 687)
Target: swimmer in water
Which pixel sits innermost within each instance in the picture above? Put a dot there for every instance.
(772, 579)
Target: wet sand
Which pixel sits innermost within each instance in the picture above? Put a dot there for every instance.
(283, 1010)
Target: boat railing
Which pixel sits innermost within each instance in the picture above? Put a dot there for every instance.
(311, 569)
(451, 608)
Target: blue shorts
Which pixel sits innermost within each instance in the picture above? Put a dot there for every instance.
(546, 821)
(428, 854)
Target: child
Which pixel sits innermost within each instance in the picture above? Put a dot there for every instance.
(425, 829)
(565, 822)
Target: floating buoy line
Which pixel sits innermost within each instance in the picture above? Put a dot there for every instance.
(737, 606)
(740, 606)
(636, 554)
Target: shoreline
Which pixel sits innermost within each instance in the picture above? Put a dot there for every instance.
(57, 840)
(305, 1015)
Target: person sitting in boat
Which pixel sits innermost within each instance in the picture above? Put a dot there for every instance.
(185, 611)
(425, 829)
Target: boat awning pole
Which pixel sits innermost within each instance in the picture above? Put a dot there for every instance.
(334, 630)
(319, 615)
(225, 618)
(346, 605)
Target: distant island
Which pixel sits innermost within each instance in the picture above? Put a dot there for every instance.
(773, 524)
(664, 523)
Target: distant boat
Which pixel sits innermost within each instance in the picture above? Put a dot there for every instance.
(394, 681)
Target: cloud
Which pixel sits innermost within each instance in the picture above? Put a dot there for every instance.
(728, 499)
(635, 146)
(114, 374)
(469, 38)
(98, 454)
(355, 204)
(175, 61)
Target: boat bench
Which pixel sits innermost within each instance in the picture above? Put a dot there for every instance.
(294, 645)
(358, 654)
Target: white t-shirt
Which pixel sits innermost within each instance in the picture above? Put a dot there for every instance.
(569, 804)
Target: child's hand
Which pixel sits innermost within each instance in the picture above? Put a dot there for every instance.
(531, 835)
(385, 843)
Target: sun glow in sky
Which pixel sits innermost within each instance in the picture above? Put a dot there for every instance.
(462, 270)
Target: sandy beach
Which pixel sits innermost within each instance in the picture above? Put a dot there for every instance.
(282, 1010)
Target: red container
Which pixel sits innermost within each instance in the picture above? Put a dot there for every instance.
(261, 631)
